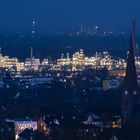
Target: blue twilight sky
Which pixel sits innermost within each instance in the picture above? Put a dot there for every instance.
(63, 15)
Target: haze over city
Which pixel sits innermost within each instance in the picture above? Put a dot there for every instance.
(64, 15)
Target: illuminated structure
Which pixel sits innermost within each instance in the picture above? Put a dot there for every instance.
(42, 127)
(117, 72)
(106, 61)
(32, 63)
(77, 62)
(10, 63)
(45, 62)
(64, 61)
(78, 58)
(22, 124)
(33, 27)
(0, 58)
(96, 29)
(101, 60)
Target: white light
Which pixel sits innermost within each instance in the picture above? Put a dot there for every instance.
(126, 92)
(134, 92)
(33, 22)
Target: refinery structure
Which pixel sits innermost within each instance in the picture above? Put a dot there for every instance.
(77, 62)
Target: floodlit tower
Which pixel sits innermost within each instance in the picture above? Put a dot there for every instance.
(33, 27)
(31, 53)
(62, 56)
(68, 56)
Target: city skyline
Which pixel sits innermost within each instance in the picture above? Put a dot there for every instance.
(69, 70)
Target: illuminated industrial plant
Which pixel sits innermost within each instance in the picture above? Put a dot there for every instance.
(77, 62)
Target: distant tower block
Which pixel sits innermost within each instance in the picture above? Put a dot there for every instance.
(31, 52)
(33, 27)
(96, 29)
(81, 51)
(62, 56)
(68, 56)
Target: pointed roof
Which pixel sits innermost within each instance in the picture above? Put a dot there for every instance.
(134, 35)
(131, 77)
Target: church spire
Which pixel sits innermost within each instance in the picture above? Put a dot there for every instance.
(134, 35)
(131, 77)
(130, 86)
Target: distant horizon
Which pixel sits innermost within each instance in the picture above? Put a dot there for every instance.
(68, 30)
(17, 16)
(46, 29)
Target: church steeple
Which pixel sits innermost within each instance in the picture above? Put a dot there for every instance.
(134, 35)
(130, 86)
(131, 77)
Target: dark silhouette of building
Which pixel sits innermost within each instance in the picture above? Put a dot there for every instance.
(130, 111)
(130, 87)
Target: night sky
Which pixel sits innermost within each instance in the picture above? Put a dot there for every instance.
(63, 15)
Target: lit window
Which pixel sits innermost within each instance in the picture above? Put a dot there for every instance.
(126, 92)
(134, 92)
